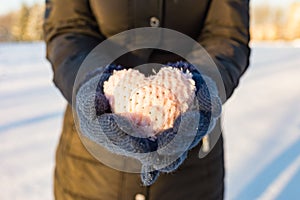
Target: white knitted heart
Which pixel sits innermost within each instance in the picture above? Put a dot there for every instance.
(151, 103)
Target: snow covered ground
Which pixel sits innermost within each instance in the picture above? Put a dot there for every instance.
(261, 124)
(31, 111)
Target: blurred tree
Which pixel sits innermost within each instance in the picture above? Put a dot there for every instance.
(5, 26)
(28, 23)
(20, 26)
(260, 14)
(278, 21)
(293, 25)
(34, 29)
(268, 22)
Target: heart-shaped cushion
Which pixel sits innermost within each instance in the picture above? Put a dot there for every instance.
(151, 103)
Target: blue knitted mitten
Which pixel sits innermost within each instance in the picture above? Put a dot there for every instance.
(169, 149)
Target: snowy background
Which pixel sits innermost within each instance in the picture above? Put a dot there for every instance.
(261, 124)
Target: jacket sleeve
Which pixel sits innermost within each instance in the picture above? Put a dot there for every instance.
(225, 36)
(71, 32)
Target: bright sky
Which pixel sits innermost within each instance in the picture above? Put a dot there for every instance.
(9, 5)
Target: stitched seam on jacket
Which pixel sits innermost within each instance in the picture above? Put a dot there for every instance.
(120, 195)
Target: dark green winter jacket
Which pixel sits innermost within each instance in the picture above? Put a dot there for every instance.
(74, 27)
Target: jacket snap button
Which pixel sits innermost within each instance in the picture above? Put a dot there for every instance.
(154, 22)
(139, 197)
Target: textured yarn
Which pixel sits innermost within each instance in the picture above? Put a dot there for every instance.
(118, 108)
